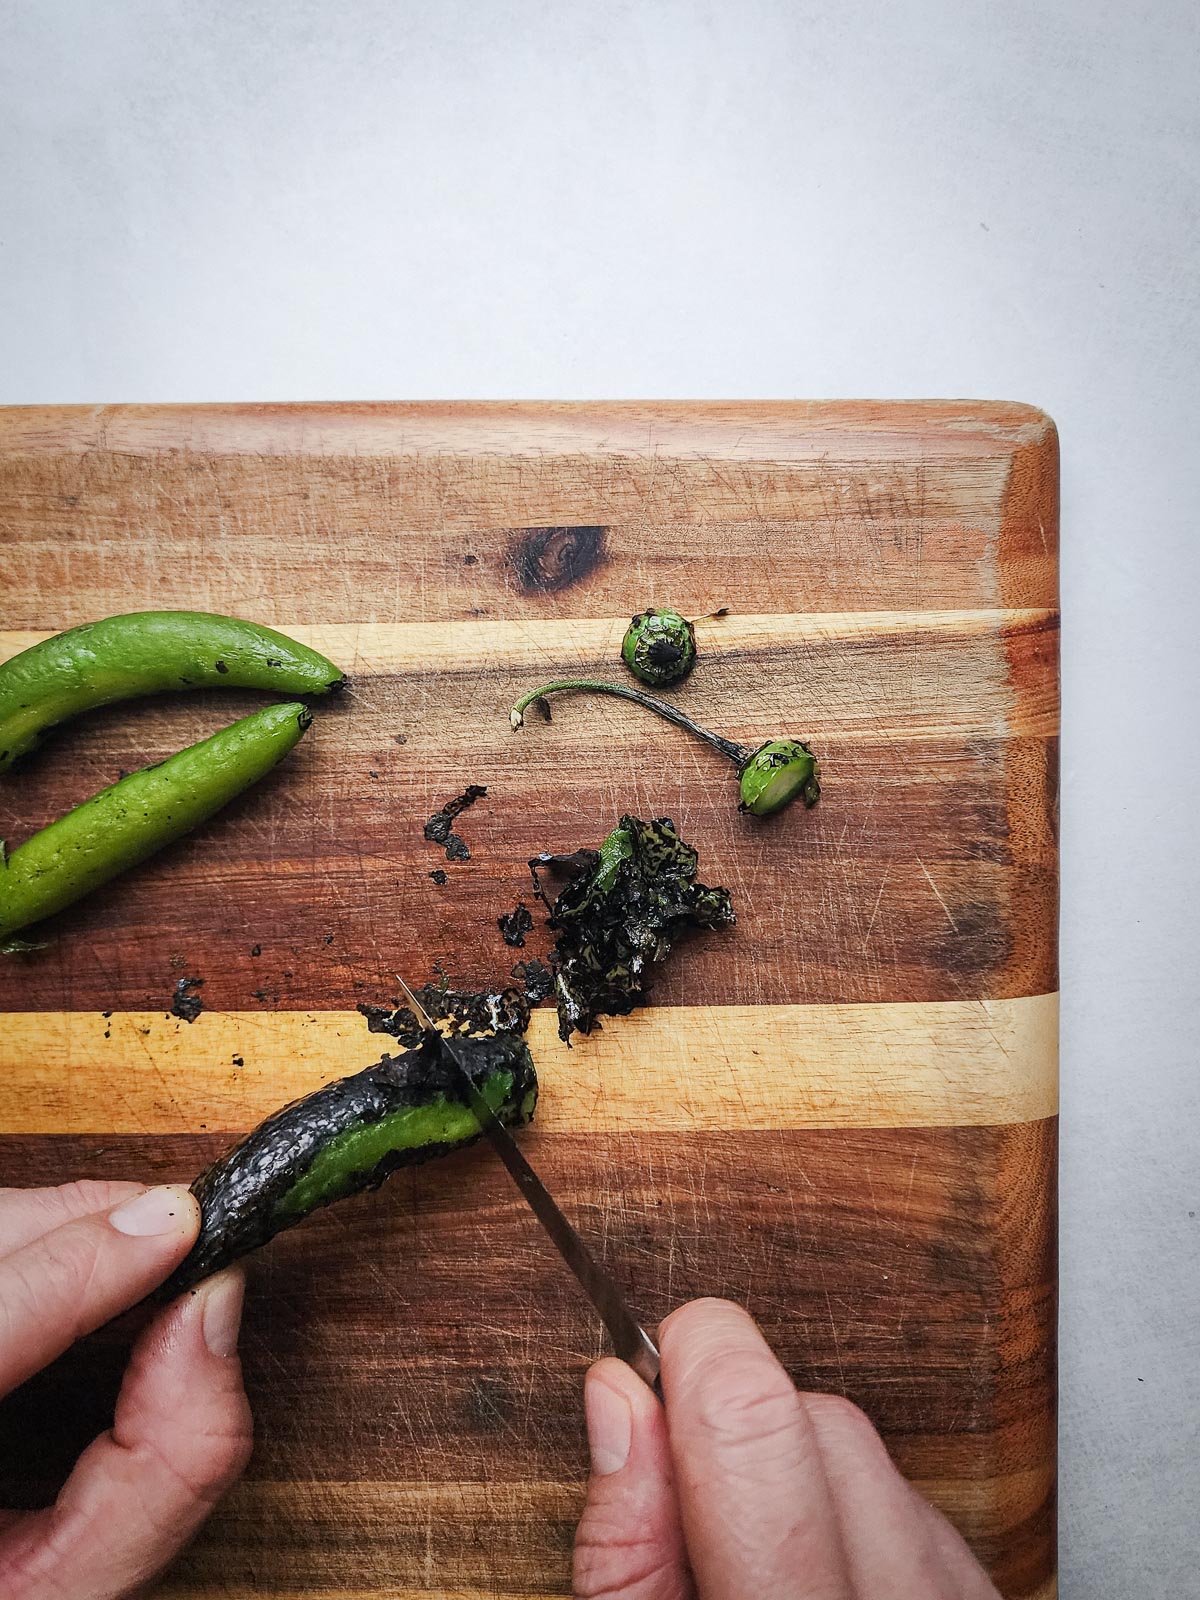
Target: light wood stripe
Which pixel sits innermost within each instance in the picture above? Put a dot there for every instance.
(936, 1064)
(986, 1500)
(839, 434)
(232, 1590)
(378, 647)
(861, 674)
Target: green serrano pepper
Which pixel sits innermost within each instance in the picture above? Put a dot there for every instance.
(348, 1137)
(123, 825)
(147, 652)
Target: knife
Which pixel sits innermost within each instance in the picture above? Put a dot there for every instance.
(630, 1340)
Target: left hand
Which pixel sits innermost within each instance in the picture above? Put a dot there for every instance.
(70, 1259)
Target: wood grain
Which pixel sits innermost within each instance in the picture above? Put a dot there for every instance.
(876, 1183)
(952, 1063)
(929, 872)
(836, 507)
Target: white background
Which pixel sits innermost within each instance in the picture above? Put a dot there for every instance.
(302, 199)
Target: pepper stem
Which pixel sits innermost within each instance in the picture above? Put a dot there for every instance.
(739, 754)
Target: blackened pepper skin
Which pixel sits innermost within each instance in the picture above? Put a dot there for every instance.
(437, 829)
(515, 924)
(620, 914)
(186, 1004)
(537, 979)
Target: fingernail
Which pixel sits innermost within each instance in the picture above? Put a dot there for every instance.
(222, 1316)
(609, 1426)
(163, 1210)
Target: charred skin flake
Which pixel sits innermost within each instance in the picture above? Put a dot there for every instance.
(185, 1003)
(515, 924)
(620, 914)
(438, 828)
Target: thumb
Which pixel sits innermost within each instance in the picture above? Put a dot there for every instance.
(82, 1273)
(629, 1542)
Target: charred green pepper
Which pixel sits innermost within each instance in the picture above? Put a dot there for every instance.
(127, 822)
(659, 647)
(147, 652)
(349, 1136)
(770, 775)
(620, 912)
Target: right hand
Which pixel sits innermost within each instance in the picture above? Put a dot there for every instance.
(741, 1488)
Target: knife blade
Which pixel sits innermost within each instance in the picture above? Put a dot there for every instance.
(630, 1340)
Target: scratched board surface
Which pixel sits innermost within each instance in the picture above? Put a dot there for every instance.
(841, 1113)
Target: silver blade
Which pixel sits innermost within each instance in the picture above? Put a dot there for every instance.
(630, 1340)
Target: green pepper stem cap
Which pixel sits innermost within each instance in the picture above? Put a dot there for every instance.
(775, 774)
(659, 647)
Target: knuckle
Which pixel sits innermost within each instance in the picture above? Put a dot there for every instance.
(85, 1196)
(205, 1461)
(219, 1451)
(834, 1413)
(749, 1404)
(68, 1259)
(46, 1283)
(841, 1422)
(612, 1563)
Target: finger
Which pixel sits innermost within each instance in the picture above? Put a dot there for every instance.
(895, 1542)
(956, 1553)
(629, 1542)
(26, 1214)
(180, 1437)
(756, 1508)
(77, 1276)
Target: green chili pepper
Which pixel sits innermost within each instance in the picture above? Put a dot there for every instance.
(659, 647)
(147, 652)
(123, 825)
(771, 775)
(352, 1134)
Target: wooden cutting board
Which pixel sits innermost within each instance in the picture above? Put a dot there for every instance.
(842, 1113)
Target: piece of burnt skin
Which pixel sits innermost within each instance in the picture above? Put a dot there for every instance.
(515, 924)
(397, 1024)
(379, 1018)
(456, 848)
(186, 1004)
(617, 921)
(570, 865)
(439, 876)
(537, 978)
(437, 829)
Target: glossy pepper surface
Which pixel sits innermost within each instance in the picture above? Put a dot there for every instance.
(147, 652)
(127, 822)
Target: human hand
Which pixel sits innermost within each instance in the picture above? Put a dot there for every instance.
(70, 1259)
(740, 1487)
